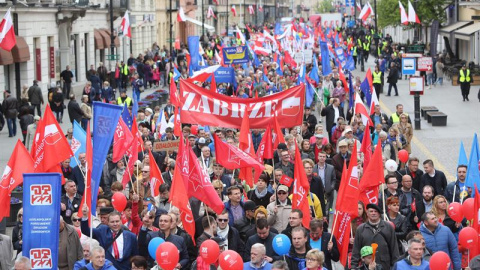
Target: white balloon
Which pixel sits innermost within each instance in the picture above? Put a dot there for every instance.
(391, 165)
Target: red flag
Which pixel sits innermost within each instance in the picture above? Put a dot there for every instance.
(265, 148)
(289, 60)
(234, 11)
(122, 139)
(349, 190)
(180, 200)
(132, 153)
(125, 25)
(361, 109)
(413, 206)
(277, 136)
(301, 189)
(369, 79)
(231, 157)
(156, 178)
(474, 252)
(213, 84)
(344, 80)
(87, 194)
(285, 180)
(342, 234)
(20, 162)
(51, 146)
(7, 32)
(366, 148)
(40, 126)
(246, 145)
(177, 125)
(372, 177)
(173, 93)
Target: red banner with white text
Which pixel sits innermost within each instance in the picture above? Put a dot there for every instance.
(204, 107)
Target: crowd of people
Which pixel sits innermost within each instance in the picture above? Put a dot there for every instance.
(415, 201)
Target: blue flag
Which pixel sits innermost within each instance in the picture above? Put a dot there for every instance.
(326, 68)
(279, 68)
(41, 223)
(78, 144)
(351, 92)
(301, 75)
(314, 71)
(127, 118)
(473, 175)
(278, 29)
(365, 88)
(194, 50)
(105, 119)
(265, 78)
(309, 93)
(176, 74)
(135, 106)
(462, 155)
(350, 64)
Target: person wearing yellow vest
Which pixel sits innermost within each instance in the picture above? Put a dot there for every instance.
(465, 78)
(123, 98)
(377, 77)
(395, 117)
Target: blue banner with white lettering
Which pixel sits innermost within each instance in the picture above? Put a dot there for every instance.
(235, 55)
(105, 120)
(78, 144)
(341, 56)
(41, 218)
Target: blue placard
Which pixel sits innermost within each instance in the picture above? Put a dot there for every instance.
(41, 218)
(409, 66)
(349, 3)
(235, 55)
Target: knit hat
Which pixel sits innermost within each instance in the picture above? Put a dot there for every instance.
(262, 209)
(366, 250)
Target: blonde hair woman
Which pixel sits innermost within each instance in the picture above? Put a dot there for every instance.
(314, 260)
(406, 130)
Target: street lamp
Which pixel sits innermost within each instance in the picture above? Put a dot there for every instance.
(112, 37)
(203, 21)
(227, 20)
(171, 31)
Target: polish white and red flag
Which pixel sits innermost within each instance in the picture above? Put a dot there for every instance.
(251, 10)
(125, 25)
(181, 15)
(359, 7)
(7, 33)
(412, 15)
(210, 13)
(403, 14)
(234, 11)
(367, 10)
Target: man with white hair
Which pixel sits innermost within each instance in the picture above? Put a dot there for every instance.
(257, 259)
(387, 147)
(22, 263)
(86, 245)
(98, 261)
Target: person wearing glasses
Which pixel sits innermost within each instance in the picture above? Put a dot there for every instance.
(17, 233)
(315, 259)
(285, 163)
(391, 190)
(76, 223)
(218, 186)
(229, 235)
(280, 209)
(70, 201)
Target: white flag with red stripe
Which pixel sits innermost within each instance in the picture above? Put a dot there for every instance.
(361, 109)
(366, 11)
(412, 15)
(210, 13)
(7, 33)
(181, 15)
(373, 102)
(251, 10)
(125, 25)
(359, 7)
(234, 11)
(403, 14)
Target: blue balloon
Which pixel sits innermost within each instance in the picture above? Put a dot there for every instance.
(281, 244)
(153, 245)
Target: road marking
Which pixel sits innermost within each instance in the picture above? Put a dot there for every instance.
(424, 149)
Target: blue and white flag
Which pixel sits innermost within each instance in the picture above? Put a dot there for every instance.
(78, 144)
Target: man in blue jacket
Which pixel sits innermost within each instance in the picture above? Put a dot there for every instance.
(98, 261)
(119, 245)
(414, 260)
(440, 238)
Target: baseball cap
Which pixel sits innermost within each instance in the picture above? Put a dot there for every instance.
(249, 205)
(348, 129)
(282, 188)
(366, 250)
(192, 136)
(342, 143)
(201, 141)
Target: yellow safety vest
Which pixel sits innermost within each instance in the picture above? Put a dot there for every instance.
(377, 77)
(396, 118)
(384, 45)
(124, 70)
(354, 51)
(464, 78)
(360, 42)
(128, 100)
(210, 54)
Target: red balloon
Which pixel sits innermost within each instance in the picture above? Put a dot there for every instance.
(403, 155)
(391, 224)
(230, 260)
(194, 129)
(167, 256)
(440, 261)
(468, 237)
(467, 208)
(79, 232)
(455, 211)
(119, 201)
(209, 250)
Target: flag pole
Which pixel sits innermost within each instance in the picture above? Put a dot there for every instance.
(78, 163)
(334, 224)
(85, 181)
(383, 203)
(129, 174)
(454, 190)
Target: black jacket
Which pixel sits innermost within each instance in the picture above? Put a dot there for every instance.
(329, 112)
(267, 242)
(317, 188)
(234, 241)
(406, 209)
(438, 182)
(264, 201)
(393, 75)
(17, 236)
(243, 225)
(332, 255)
(9, 107)
(73, 207)
(415, 180)
(74, 111)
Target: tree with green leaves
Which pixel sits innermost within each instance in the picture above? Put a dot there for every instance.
(427, 11)
(324, 6)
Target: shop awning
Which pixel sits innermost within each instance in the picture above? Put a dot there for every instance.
(21, 52)
(465, 32)
(6, 58)
(106, 38)
(199, 23)
(116, 41)
(99, 45)
(445, 31)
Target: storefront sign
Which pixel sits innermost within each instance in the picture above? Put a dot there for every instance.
(38, 64)
(52, 63)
